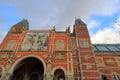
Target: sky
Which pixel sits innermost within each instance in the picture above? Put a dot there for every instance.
(101, 16)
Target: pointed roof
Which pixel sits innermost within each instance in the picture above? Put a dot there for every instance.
(24, 22)
(79, 22)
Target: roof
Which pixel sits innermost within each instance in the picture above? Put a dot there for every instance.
(106, 48)
(24, 22)
(79, 22)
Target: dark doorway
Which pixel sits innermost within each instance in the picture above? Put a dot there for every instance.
(59, 75)
(29, 69)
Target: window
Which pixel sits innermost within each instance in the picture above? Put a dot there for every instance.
(116, 77)
(104, 77)
(84, 44)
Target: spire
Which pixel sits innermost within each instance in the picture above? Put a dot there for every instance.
(79, 22)
(24, 22)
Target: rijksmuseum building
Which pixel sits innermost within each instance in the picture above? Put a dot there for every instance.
(56, 55)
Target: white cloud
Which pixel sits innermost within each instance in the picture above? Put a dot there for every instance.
(61, 12)
(43, 14)
(107, 35)
(117, 24)
(2, 29)
(92, 24)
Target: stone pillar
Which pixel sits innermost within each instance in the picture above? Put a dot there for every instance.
(48, 76)
(6, 77)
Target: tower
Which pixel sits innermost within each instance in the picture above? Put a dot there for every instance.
(14, 35)
(86, 57)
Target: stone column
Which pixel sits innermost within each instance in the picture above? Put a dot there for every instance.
(6, 77)
(48, 76)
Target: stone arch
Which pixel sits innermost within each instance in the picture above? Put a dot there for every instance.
(25, 57)
(59, 67)
(59, 73)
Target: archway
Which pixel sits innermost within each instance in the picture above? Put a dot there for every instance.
(30, 68)
(59, 75)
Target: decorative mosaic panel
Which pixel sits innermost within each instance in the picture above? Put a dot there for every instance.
(35, 41)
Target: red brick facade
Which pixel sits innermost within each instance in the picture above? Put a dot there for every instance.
(61, 55)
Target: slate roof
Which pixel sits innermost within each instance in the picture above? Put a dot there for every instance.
(24, 22)
(79, 22)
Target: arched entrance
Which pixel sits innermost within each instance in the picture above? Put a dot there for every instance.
(30, 68)
(59, 75)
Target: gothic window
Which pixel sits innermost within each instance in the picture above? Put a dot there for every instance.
(11, 45)
(116, 77)
(84, 43)
(60, 45)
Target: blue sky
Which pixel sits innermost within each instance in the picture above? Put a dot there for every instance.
(102, 17)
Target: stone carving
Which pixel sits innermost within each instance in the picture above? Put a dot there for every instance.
(59, 56)
(35, 41)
